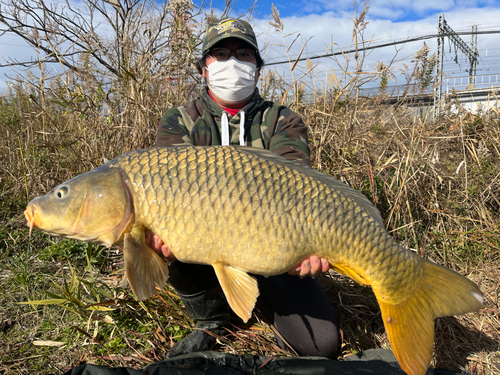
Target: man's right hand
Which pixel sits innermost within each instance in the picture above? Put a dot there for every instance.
(156, 243)
(311, 266)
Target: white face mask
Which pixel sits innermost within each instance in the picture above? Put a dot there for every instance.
(232, 80)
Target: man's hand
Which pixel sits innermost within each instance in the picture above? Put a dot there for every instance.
(155, 242)
(311, 266)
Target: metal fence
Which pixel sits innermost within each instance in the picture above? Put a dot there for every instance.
(462, 83)
(458, 83)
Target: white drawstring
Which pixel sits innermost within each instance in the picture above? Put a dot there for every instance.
(225, 130)
(242, 128)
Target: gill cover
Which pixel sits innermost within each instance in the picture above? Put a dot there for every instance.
(96, 206)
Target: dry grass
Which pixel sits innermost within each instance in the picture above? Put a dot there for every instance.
(436, 184)
(408, 168)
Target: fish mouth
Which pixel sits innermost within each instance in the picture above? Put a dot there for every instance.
(29, 214)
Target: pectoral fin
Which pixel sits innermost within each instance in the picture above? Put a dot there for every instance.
(240, 288)
(144, 268)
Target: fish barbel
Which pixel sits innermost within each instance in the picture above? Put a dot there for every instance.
(244, 210)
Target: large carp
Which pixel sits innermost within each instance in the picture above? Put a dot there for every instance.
(244, 210)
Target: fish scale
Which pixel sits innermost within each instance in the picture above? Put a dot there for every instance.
(244, 210)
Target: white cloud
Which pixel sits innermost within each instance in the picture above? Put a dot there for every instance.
(338, 26)
(384, 9)
(337, 6)
(427, 6)
(389, 8)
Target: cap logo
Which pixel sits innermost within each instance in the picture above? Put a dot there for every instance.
(224, 26)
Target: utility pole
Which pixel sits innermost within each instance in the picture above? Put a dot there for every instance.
(439, 69)
(473, 62)
(471, 52)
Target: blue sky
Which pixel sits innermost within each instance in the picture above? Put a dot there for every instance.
(394, 10)
(326, 26)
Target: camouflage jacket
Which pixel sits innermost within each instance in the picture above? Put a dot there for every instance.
(266, 125)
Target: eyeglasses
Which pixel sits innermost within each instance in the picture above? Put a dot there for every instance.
(242, 54)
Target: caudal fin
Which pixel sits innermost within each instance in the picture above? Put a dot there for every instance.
(410, 324)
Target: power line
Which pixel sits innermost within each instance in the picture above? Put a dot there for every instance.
(393, 43)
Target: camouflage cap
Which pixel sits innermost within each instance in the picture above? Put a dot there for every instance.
(228, 28)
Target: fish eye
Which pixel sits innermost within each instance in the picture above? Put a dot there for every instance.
(61, 192)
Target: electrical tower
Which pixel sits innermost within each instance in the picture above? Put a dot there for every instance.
(471, 52)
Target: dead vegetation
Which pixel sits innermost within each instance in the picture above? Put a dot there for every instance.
(436, 183)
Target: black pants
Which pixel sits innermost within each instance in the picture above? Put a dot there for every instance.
(299, 308)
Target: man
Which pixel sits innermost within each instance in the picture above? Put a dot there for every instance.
(230, 111)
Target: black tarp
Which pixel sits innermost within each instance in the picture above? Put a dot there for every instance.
(369, 362)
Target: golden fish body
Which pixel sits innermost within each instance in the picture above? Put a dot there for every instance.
(256, 211)
(248, 210)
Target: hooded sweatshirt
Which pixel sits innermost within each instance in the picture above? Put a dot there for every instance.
(260, 124)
